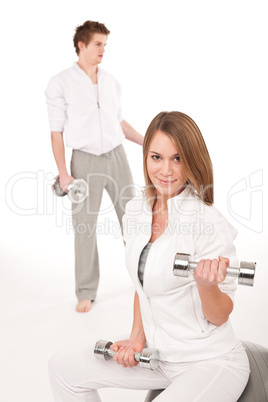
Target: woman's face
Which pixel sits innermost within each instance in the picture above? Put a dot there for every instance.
(164, 167)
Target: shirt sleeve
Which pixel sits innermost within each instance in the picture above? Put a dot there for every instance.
(218, 240)
(56, 105)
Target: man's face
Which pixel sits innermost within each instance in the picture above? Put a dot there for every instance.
(93, 52)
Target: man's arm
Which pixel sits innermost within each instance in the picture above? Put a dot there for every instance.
(130, 133)
(59, 155)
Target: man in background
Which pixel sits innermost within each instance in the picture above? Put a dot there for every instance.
(84, 104)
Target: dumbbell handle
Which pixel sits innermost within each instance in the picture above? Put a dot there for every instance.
(111, 353)
(245, 274)
(230, 270)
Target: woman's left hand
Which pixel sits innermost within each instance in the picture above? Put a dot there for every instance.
(211, 272)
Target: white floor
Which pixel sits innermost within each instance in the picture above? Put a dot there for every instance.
(37, 306)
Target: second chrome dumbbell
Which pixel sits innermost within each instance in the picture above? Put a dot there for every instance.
(245, 273)
(148, 358)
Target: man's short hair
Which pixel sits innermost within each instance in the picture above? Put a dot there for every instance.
(85, 32)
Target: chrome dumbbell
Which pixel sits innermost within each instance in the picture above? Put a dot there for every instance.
(148, 358)
(245, 273)
(77, 190)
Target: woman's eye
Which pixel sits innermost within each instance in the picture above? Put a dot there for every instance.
(177, 159)
(156, 157)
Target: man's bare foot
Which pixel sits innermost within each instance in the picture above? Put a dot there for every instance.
(83, 306)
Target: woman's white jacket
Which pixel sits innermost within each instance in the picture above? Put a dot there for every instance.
(171, 309)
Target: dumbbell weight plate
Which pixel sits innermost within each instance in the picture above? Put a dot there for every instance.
(78, 191)
(101, 348)
(149, 358)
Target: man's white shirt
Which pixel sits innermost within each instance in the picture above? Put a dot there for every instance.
(90, 124)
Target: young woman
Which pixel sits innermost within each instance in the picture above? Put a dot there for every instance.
(186, 319)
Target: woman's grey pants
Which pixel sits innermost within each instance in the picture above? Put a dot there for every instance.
(108, 171)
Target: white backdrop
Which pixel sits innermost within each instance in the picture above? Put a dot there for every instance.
(205, 58)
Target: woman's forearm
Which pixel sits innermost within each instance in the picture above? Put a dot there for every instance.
(216, 305)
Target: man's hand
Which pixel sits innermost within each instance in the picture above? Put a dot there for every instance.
(65, 180)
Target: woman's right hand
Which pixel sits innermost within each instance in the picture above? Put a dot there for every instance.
(125, 350)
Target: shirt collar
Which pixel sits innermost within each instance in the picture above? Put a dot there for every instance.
(180, 198)
(82, 72)
(180, 202)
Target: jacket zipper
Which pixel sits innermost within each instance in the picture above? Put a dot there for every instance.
(98, 104)
(195, 312)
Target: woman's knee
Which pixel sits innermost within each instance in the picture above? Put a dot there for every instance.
(72, 365)
(55, 364)
(60, 366)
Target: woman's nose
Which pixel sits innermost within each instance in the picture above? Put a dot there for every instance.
(166, 169)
